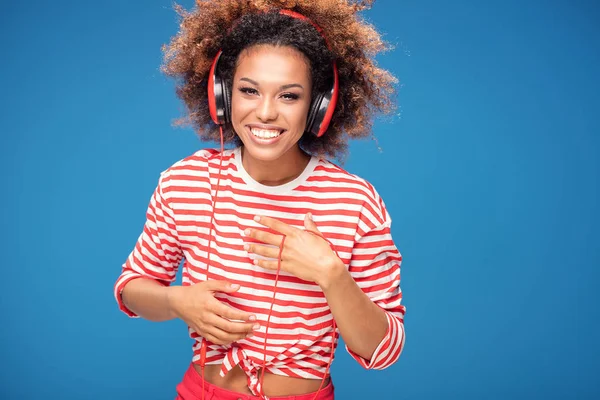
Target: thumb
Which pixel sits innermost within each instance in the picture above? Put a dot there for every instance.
(221, 286)
(309, 224)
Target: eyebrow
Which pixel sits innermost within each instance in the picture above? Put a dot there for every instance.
(283, 87)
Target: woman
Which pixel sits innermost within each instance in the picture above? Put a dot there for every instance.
(283, 250)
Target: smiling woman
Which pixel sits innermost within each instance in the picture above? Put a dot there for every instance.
(269, 107)
(284, 251)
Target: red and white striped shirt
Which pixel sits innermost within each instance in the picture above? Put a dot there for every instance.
(346, 209)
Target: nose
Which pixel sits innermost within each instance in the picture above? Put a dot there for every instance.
(266, 110)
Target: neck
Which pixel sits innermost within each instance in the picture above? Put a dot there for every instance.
(276, 172)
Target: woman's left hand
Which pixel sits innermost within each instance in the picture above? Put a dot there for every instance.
(305, 255)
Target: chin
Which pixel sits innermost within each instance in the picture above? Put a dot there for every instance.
(265, 153)
(272, 151)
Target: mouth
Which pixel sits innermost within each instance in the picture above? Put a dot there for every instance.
(265, 135)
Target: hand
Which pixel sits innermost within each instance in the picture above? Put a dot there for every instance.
(197, 306)
(306, 255)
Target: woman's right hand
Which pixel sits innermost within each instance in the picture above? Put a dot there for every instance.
(197, 306)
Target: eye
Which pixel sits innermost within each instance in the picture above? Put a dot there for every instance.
(290, 96)
(248, 90)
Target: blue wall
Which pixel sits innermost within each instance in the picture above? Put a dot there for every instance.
(490, 172)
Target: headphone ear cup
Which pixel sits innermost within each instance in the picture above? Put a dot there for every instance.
(321, 114)
(311, 125)
(220, 99)
(227, 102)
(324, 105)
(216, 102)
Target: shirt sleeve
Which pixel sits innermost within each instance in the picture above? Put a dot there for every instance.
(157, 252)
(375, 266)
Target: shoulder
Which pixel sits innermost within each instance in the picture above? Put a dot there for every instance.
(192, 172)
(197, 162)
(355, 187)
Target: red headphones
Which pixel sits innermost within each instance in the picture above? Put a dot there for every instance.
(321, 109)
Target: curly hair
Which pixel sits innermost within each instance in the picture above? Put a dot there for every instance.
(234, 25)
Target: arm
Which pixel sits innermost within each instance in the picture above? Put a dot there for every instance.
(361, 322)
(365, 300)
(156, 258)
(148, 299)
(144, 286)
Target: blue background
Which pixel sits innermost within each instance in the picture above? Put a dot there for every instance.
(490, 172)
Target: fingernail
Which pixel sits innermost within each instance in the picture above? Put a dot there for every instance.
(257, 218)
(246, 247)
(256, 327)
(252, 318)
(235, 286)
(247, 232)
(250, 334)
(309, 215)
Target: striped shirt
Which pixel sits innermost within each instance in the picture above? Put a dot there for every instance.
(347, 211)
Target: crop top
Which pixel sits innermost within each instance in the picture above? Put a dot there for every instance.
(347, 211)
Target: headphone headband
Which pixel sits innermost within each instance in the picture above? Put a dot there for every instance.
(320, 113)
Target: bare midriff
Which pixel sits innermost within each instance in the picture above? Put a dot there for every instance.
(273, 385)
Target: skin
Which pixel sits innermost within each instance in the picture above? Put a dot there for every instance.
(271, 87)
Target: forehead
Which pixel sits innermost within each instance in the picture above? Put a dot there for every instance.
(273, 64)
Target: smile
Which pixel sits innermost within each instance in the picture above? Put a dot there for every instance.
(266, 133)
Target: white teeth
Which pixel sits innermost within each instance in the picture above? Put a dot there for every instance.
(265, 133)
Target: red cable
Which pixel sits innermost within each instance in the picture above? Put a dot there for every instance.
(212, 218)
(333, 321)
(261, 392)
(262, 375)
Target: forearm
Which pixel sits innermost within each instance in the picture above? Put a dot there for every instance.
(361, 322)
(148, 299)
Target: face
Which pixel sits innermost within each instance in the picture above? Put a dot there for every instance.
(270, 101)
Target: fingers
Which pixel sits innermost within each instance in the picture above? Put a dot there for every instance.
(213, 319)
(218, 336)
(271, 260)
(222, 331)
(224, 311)
(264, 236)
(269, 264)
(221, 286)
(275, 224)
(309, 224)
(261, 250)
(233, 327)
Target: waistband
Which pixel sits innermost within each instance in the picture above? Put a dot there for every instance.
(192, 386)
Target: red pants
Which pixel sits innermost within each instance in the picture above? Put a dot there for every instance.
(191, 389)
